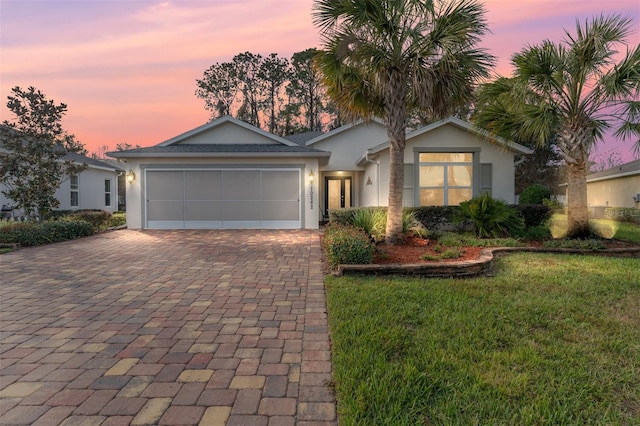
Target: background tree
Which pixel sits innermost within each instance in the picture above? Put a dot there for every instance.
(100, 152)
(570, 92)
(306, 89)
(34, 145)
(387, 58)
(273, 74)
(279, 95)
(219, 88)
(247, 67)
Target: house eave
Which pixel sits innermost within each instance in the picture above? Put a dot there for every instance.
(321, 156)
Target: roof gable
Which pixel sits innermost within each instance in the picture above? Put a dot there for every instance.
(335, 132)
(462, 125)
(226, 131)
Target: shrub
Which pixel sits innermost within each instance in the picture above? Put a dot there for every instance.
(411, 225)
(553, 204)
(97, 218)
(490, 217)
(534, 194)
(342, 216)
(434, 217)
(39, 233)
(534, 214)
(622, 214)
(451, 239)
(347, 245)
(575, 244)
(534, 233)
(117, 219)
(372, 220)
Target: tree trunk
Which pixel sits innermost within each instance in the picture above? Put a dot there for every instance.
(394, 233)
(395, 121)
(577, 210)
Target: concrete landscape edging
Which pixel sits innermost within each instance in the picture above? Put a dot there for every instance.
(470, 268)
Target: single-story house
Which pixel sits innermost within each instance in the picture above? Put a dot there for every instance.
(96, 187)
(618, 186)
(230, 174)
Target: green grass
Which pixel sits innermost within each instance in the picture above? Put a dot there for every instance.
(604, 228)
(550, 339)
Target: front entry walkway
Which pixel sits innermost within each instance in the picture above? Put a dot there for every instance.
(166, 327)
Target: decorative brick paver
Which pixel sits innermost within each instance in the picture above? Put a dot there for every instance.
(166, 327)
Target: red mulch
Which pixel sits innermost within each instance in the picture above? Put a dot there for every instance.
(414, 248)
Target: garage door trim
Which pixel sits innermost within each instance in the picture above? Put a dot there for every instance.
(257, 212)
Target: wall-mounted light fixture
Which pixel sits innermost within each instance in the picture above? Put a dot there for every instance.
(131, 176)
(311, 176)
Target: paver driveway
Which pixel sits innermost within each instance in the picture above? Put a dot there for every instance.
(166, 327)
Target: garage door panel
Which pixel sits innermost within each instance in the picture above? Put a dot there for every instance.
(280, 185)
(165, 185)
(241, 185)
(203, 210)
(166, 210)
(203, 185)
(241, 210)
(280, 210)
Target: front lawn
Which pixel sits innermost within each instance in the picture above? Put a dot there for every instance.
(605, 228)
(550, 339)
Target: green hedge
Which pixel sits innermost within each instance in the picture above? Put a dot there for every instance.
(534, 194)
(39, 233)
(622, 214)
(534, 214)
(347, 245)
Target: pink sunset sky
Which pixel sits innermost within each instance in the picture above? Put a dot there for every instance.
(127, 68)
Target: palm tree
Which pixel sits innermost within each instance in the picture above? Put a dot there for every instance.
(571, 92)
(386, 58)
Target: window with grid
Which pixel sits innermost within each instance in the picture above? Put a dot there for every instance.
(74, 191)
(107, 192)
(445, 178)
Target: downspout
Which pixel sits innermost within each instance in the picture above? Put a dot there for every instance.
(377, 163)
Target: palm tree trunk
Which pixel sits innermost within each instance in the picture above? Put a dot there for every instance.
(396, 186)
(577, 209)
(395, 122)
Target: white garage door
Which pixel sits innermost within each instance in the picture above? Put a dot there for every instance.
(231, 199)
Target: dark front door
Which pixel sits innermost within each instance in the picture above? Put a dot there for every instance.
(337, 193)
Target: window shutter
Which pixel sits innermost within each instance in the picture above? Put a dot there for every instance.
(487, 176)
(407, 193)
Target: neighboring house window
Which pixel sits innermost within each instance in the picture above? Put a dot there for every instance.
(107, 192)
(445, 178)
(74, 191)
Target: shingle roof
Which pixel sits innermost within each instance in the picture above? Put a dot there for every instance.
(632, 167)
(302, 138)
(79, 158)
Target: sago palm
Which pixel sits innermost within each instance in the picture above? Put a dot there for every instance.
(386, 57)
(570, 92)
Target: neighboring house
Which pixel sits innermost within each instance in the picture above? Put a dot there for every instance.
(96, 187)
(618, 186)
(230, 174)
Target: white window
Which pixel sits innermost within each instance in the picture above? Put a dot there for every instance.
(74, 191)
(107, 192)
(445, 178)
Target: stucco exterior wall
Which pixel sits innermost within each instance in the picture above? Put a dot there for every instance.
(618, 192)
(91, 194)
(309, 195)
(348, 145)
(451, 137)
